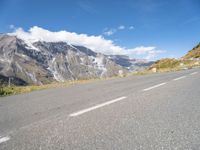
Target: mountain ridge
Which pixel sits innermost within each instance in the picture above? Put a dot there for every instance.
(52, 60)
(41, 62)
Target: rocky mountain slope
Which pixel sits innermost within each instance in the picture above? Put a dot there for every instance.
(44, 62)
(23, 62)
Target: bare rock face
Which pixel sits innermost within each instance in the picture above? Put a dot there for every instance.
(44, 62)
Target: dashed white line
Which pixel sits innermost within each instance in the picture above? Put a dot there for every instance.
(179, 78)
(96, 107)
(4, 139)
(155, 86)
(193, 73)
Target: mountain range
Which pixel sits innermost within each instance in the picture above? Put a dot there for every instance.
(23, 62)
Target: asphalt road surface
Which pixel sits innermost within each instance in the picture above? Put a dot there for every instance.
(150, 112)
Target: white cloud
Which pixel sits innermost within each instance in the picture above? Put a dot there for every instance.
(109, 32)
(122, 27)
(131, 28)
(96, 43)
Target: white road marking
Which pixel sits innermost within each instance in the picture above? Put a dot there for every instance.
(96, 107)
(193, 73)
(155, 86)
(179, 78)
(4, 139)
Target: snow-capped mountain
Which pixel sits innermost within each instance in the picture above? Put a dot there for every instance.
(43, 62)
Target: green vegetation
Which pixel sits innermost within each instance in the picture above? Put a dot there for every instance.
(5, 91)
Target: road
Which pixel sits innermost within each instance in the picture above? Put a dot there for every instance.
(157, 111)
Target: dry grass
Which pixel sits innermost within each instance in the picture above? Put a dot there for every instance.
(169, 66)
(166, 65)
(5, 90)
(13, 90)
(194, 53)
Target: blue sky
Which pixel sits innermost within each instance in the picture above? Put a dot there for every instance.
(172, 26)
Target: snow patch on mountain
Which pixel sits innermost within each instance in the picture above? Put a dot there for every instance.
(53, 69)
(32, 77)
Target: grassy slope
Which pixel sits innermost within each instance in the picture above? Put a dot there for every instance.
(194, 53)
(171, 64)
